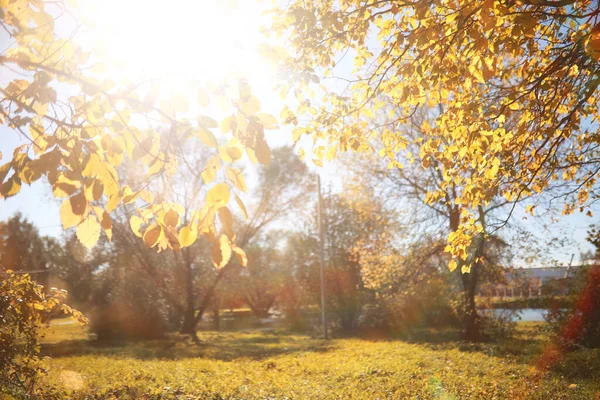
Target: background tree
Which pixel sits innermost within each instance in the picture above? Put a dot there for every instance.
(429, 210)
(23, 249)
(73, 267)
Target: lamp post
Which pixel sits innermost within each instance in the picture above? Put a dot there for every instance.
(322, 257)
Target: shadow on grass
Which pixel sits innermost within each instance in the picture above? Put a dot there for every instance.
(523, 347)
(216, 346)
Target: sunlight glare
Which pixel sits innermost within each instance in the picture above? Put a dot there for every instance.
(178, 40)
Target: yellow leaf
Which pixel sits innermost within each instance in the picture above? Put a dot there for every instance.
(152, 234)
(234, 152)
(97, 189)
(219, 193)
(171, 218)
(135, 223)
(187, 236)
(207, 122)
(11, 187)
(67, 217)
(240, 255)
(106, 222)
(235, 176)
(78, 204)
(129, 196)
(268, 120)
(261, 153)
(221, 253)
(229, 124)
(93, 166)
(227, 220)
(147, 196)
(113, 202)
(88, 232)
(242, 206)
(206, 137)
(452, 265)
(251, 106)
(209, 173)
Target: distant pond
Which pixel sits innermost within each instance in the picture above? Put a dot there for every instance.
(525, 314)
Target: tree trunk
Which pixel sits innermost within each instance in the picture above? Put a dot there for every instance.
(472, 323)
(217, 314)
(189, 319)
(189, 322)
(470, 318)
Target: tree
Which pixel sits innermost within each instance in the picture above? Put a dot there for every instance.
(261, 285)
(514, 86)
(427, 209)
(23, 249)
(284, 190)
(351, 230)
(72, 266)
(78, 136)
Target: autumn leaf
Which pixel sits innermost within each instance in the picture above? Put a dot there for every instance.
(226, 220)
(187, 236)
(221, 253)
(171, 218)
(209, 172)
(242, 206)
(219, 193)
(78, 203)
(206, 137)
(228, 124)
(269, 121)
(11, 187)
(106, 222)
(152, 235)
(240, 256)
(88, 232)
(68, 218)
(235, 176)
(135, 223)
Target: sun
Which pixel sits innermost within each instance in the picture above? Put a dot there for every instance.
(177, 40)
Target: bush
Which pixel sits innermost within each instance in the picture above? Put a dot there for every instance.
(579, 324)
(498, 324)
(123, 321)
(24, 310)
(127, 308)
(427, 304)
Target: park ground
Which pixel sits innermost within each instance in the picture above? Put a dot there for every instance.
(283, 365)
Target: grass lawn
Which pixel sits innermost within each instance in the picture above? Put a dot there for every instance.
(280, 365)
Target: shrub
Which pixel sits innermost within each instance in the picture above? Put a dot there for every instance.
(425, 304)
(579, 324)
(126, 307)
(498, 323)
(126, 321)
(24, 310)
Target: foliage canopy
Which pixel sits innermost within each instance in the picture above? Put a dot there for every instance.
(513, 85)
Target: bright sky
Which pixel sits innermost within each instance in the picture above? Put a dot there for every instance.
(181, 40)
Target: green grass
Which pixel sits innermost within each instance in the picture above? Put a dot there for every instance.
(279, 365)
